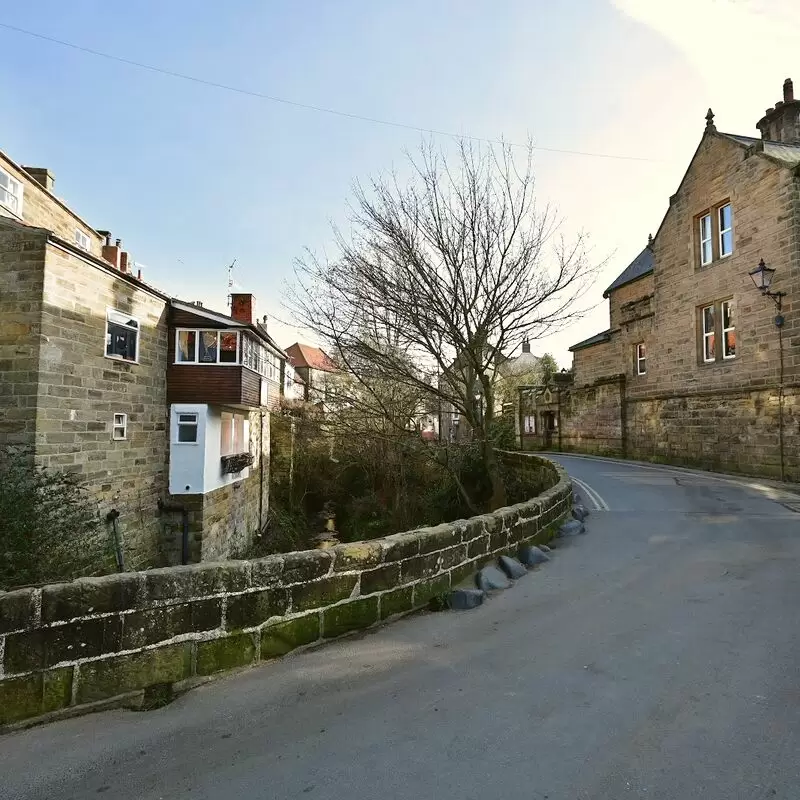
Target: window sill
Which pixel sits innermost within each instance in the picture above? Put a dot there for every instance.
(714, 263)
(120, 359)
(206, 364)
(720, 362)
(12, 212)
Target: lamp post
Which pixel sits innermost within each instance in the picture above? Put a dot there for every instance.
(762, 277)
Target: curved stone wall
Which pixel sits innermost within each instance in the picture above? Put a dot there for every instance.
(138, 637)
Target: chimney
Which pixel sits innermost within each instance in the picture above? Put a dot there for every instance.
(526, 345)
(243, 308)
(782, 122)
(123, 261)
(112, 252)
(42, 176)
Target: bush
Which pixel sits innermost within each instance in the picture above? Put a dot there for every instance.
(49, 527)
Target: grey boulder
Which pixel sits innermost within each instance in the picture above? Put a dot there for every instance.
(580, 512)
(490, 578)
(544, 548)
(465, 599)
(511, 567)
(530, 555)
(572, 528)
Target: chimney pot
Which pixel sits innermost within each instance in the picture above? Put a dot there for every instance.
(788, 90)
(138, 274)
(119, 243)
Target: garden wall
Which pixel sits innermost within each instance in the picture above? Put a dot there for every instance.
(135, 637)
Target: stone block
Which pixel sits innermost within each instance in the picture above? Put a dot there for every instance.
(266, 571)
(322, 592)
(490, 578)
(306, 565)
(461, 572)
(193, 581)
(65, 601)
(511, 567)
(472, 529)
(229, 652)
(45, 647)
(523, 530)
(153, 625)
(276, 640)
(255, 608)
(452, 557)
(530, 555)
(359, 555)
(401, 545)
(479, 546)
(34, 695)
(99, 680)
(439, 538)
(419, 567)
(351, 616)
(465, 599)
(380, 579)
(16, 610)
(426, 590)
(397, 602)
(498, 540)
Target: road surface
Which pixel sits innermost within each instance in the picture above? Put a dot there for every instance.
(656, 657)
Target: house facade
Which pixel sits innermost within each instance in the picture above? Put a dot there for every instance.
(98, 380)
(697, 366)
(313, 370)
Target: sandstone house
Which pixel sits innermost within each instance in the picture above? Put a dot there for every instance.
(697, 366)
(160, 406)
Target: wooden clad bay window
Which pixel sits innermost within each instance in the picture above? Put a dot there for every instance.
(714, 234)
(207, 347)
(717, 329)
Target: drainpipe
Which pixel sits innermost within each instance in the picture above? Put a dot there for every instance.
(112, 518)
(261, 479)
(184, 512)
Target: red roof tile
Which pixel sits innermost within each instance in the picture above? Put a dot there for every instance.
(303, 355)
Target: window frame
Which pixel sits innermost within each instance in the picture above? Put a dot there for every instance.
(119, 425)
(82, 240)
(709, 240)
(19, 196)
(706, 334)
(529, 424)
(718, 332)
(640, 357)
(180, 423)
(137, 329)
(724, 339)
(197, 334)
(722, 231)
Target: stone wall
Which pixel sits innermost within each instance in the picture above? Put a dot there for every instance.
(592, 418)
(129, 637)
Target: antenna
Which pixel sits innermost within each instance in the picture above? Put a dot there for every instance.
(230, 281)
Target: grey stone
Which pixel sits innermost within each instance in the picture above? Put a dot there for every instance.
(572, 528)
(530, 555)
(576, 498)
(511, 567)
(544, 548)
(491, 577)
(465, 599)
(580, 512)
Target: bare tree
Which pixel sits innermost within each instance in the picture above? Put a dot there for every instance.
(439, 276)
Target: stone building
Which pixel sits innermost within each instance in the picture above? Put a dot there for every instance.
(697, 366)
(98, 379)
(312, 368)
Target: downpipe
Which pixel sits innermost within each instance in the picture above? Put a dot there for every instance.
(111, 519)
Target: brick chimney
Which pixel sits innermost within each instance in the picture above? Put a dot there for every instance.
(112, 252)
(42, 176)
(782, 123)
(243, 308)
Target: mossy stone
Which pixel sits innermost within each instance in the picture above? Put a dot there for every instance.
(228, 653)
(425, 590)
(397, 602)
(350, 617)
(277, 640)
(33, 695)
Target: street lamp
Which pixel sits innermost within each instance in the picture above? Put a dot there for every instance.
(762, 277)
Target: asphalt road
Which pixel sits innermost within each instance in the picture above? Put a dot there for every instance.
(656, 657)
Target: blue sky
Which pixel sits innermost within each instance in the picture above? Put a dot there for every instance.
(191, 177)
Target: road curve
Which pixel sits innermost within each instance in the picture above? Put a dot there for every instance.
(656, 657)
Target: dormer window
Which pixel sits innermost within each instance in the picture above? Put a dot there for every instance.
(10, 193)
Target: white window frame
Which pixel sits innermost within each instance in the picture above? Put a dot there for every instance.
(706, 240)
(16, 191)
(722, 305)
(708, 334)
(723, 231)
(197, 334)
(529, 423)
(138, 329)
(119, 427)
(190, 423)
(82, 240)
(641, 358)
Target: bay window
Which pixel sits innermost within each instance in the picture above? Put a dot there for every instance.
(206, 347)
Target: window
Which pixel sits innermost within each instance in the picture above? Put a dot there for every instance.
(10, 193)
(706, 255)
(232, 434)
(530, 423)
(82, 240)
(728, 331)
(641, 360)
(725, 231)
(709, 337)
(187, 429)
(206, 347)
(718, 332)
(122, 336)
(119, 428)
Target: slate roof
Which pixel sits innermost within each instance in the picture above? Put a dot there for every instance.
(640, 266)
(598, 338)
(789, 154)
(303, 355)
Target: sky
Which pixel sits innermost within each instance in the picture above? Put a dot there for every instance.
(192, 177)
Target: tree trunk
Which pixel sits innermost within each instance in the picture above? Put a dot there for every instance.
(492, 465)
